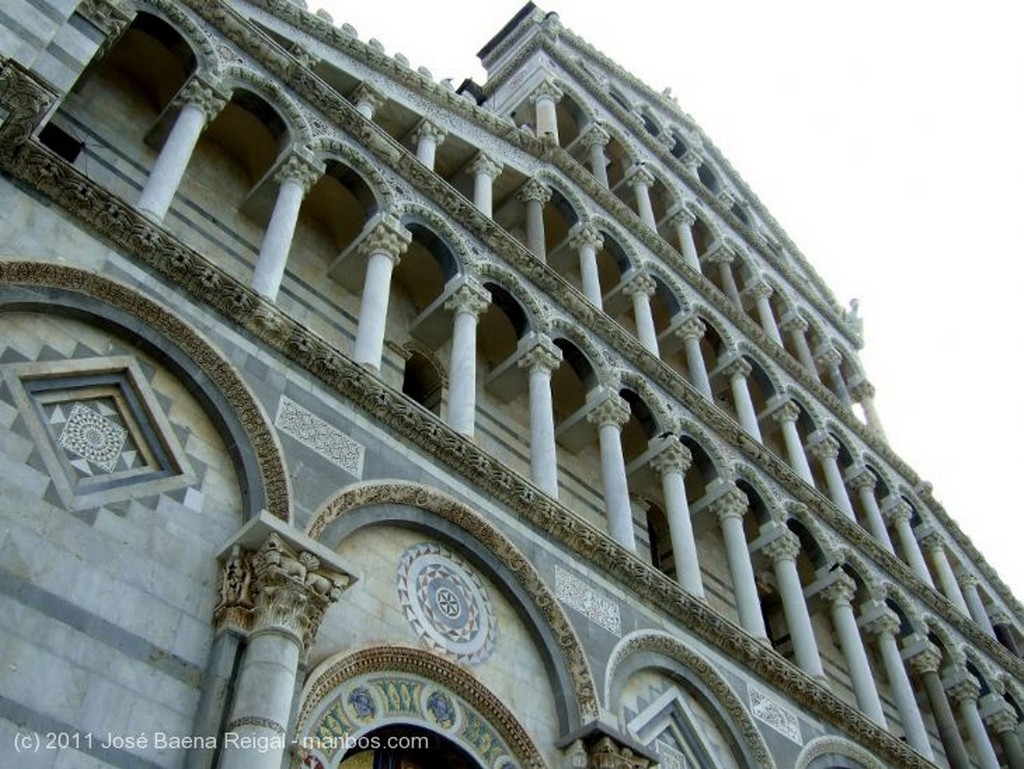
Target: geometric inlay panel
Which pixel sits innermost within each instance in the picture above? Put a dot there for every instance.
(93, 433)
(578, 595)
(446, 603)
(316, 434)
(778, 717)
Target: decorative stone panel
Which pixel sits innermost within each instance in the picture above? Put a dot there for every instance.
(768, 711)
(578, 595)
(323, 438)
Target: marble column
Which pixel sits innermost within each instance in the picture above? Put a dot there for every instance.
(863, 392)
(883, 625)
(198, 105)
(691, 331)
(782, 552)
(281, 596)
(641, 180)
(534, 195)
(863, 481)
(898, 512)
(296, 177)
(691, 163)
(467, 303)
(586, 241)
(823, 448)
(737, 371)
(595, 140)
(540, 358)
(829, 360)
(671, 464)
(428, 137)
(759, 292)
(786, 415)
(838, 595)
(683, 220)
(640, 289)
(964, 692)
(609, 416)
(1002, 722)
(723, 258)
(544, 99)
(367, 100)
(934, 545)
(730, 508)
(382, 245)
(925, 663)
(484, 171)
(797, 327)
(975, 606)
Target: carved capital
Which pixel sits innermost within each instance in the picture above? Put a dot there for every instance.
(886, 622)
(298, 169)
(862, 478)
(365, 94)
(482, 164)
(585, 234)
(595, 134)
(823, 446)
(639, 176)
(428, 130)
(841, 591)
(574, 756)
(964, 688)
(682, 217)
(640, 284)
(107, 15)
(470, 298)
(925, 660)
(719, 253)
(198, 93)
(541, 355)
(967, 580)
(792, 323)
(1001, 719)
(674, 457)
(548, 89)
(828, 357)
(732, 504)
(785, 547)
(691, 328)
(386, 236)
(737, 367)
(757, 289)
(787, 412)
(606, 754)
(896, 510)
(691, 161)
(613, 410)
(727, 198)
(533, 190)
(933, 541)
(861, 390)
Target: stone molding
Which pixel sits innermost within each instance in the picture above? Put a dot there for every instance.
(830, 745)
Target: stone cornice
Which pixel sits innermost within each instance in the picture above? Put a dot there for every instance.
(193, 273)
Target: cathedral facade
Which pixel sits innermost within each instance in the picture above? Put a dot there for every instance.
(354, 419)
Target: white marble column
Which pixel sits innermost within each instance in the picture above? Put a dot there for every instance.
(722, 258)
(863, 392)
(671, 464)
(283, 595)
(786, 415)
(829, 360)
(963, 693)
(759, 292)
(540, 358)
(595, 140)
(641, 180)
(199, 104)
(863, 481)
(975, 606)
(544, 99)
(683, 220)
(925, 662)
(296, 177)
(839, 595)
(382, 245)
(640, 289)
(737, 371)
(484, 171)
(428, 137)
(883, 625)
(586, 241)
(534, 195)
(367, 100)
(823, 448)
(782, 552)
(1000, 718)
(691, 331)
(796, 327)
(934, 544)
(608, 417)
(467, 303)
(898, 512)
(730, 509)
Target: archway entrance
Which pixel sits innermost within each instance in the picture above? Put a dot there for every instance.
(401, 746)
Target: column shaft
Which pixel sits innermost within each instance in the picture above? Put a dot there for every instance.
(165, 178)
(744, 406)
(876, 524)
(805, 648)
(616, 488)
(912, 551)
(684, 232)
(277, 241)
(373, 310)
(857, 662)
(462, 376)
(695, 363)
(684, 548)
(950, 587)
(949, 733)
(535, 228)
(977, 607)
(589, 274)
(767, 317)
(730, 516)
(599, 164)
(483, 192)
(547, 118)
(643, 204)
(795, 450)
(983, 750)
(645, 330)
(729, 281)
(543, 453)
(903, 693)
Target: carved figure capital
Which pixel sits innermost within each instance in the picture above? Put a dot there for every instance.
(720, 253)
(484, 165)
(470, 298)
(862, 478)
(641, 177)
(533, 190)
(861, 390)
(1001, 719)
(896, 510)
(828, 357)
(933, 541)
(792, 323)
(691, 161)
(674, 457)
(757, 289)
(613, 410)
(386, 236)
(964, 689)
(682, 217)
(298, 169)
(727, 198)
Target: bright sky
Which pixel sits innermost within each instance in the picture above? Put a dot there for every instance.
(888, 140)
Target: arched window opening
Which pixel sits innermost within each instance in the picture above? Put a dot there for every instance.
(422, 382)
(708, 178)
(407, 747)
(660, 540)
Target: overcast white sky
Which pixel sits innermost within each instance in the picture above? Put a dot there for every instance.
(888, 140)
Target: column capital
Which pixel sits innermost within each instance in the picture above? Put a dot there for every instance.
(299, 169)
(691, 328)
(733, 503)
(861, 389)
(470, 298)
(757, 289)
(673, 457)
(612, 410)
(885, 622)
(533, 190)
(720, 252)
(785, 547)
(932, 540)
(999, 616)
(967, 580)
(639, 283)
(840, 591)
(737, 367)
(822, 446)
(485, 165)
(682, 217)
(691, 161)
(595, 134)
(204, 95)
(367, 94)
(896, 510)
(548, 89)
(827, 357)
(1001, 718)
(861, 477)
(385, 235)
(585, 234)
(539, 354)
(963, 688)
(787, 411)
(639, 175)
(429, 130)
(727, 198)
(793, 322)
(926, 659)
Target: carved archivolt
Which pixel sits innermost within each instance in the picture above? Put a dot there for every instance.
(498, 545)
(704, 673)
(244, 405)
(836, 746)
(186, 26)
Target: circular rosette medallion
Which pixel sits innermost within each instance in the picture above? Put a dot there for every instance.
(446, 603)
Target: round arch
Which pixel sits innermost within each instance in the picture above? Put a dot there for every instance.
(326, 148)
(235, 76)
(183, 21)
(823, 752)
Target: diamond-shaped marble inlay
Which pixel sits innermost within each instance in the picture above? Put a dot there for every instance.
(93, 437)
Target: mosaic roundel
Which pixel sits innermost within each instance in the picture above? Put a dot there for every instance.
(446, 603)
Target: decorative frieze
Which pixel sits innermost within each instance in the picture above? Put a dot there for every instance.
(778, 717)
(578, 595)
(323, 438)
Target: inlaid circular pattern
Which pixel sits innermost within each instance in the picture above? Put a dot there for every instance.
(446, 603)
